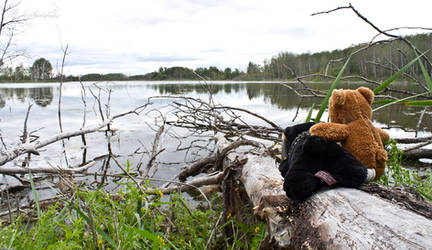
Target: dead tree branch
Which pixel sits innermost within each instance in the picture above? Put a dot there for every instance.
(155, 151)
(45, 169)
(200, 117)
(214, 160)
(32, 147)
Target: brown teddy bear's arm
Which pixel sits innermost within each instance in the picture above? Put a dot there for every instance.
(330, 131)
(383, 134)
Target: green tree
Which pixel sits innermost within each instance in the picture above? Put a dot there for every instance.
(20, 73)
(227, 74)
(41, 69)
(253, 68)
(6, 73)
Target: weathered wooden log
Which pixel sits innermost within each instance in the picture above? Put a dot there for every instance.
(339, 218)
(417, 154)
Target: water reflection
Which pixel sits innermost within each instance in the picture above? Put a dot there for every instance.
(274, 94)
(41, 96)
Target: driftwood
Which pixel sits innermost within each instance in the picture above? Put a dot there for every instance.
(214, 160)
(417, 154)
(336, 219)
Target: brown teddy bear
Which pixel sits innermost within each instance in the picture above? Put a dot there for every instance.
(350, 114)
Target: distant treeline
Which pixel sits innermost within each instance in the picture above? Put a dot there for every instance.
(377, 62)
(172, 73)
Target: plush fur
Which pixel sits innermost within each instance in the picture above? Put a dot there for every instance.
(312, 154)
(350, 114)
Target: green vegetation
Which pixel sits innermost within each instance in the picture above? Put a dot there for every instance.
(396, 175)
(41, 70)
(182, 73)
(129, 220)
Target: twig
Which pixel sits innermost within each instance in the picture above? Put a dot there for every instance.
(154, 152)
(214, 230)
(8, 205)
(83, 138)
(92, 226)
(330, 11)
(25, 135)
(60, 88)
(420, 120)
(115, 221)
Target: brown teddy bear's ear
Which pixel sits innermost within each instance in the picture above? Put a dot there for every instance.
(367, 94)
(338, 97)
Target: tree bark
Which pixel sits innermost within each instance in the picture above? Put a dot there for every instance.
(336, 219)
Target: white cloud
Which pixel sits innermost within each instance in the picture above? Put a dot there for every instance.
(137, 37)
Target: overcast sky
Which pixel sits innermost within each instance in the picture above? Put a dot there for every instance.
(139, 36)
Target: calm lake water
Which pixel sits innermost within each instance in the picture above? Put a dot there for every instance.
(135, 133)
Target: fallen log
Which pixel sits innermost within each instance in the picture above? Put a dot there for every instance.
(337, 219)
(417, 154)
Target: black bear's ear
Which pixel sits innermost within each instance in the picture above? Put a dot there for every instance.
(289, 134)
(292, 132)
(284, 167)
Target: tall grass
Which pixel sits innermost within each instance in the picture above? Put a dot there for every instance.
(128, 220)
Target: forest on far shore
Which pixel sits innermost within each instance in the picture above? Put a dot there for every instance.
(377, 62)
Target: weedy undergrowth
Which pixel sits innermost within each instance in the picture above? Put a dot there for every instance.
(396, 175)
(94, 219)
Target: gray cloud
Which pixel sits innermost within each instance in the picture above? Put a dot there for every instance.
(166, 58)
(297, 32)
(143, 21)
(214, 50)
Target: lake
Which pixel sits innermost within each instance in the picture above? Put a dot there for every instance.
(134, 134)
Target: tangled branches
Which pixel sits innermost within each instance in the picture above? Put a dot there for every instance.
(199, 117)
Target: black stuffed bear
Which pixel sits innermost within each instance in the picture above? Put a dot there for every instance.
(311, 163)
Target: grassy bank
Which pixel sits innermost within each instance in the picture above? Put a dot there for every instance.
(129, 220)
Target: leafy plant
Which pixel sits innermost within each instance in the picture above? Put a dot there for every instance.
(396, 175)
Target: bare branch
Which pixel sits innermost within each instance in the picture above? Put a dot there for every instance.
(155, 152)
(33, 147)
(45, 169)
(330, 11)
(25, 133)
